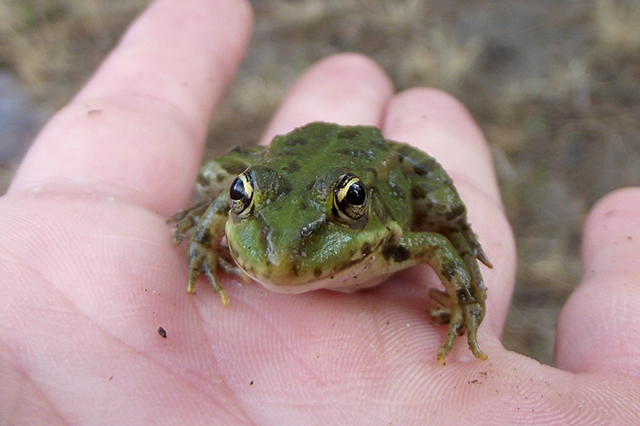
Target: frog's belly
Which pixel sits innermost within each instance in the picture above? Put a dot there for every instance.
(370, 272)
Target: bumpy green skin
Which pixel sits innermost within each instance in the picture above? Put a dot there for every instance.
(290, 233)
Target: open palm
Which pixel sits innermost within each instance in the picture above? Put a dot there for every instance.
(88, 273)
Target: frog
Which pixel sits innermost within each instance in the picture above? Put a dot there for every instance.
(337, 207)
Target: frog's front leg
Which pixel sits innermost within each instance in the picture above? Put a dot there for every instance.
(463, 306)
(213, 179)
(204, 246)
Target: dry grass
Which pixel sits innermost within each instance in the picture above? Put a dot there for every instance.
(618, 24)
(438, 60)
(52, 45)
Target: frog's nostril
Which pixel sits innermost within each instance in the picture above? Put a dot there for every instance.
(309, 231)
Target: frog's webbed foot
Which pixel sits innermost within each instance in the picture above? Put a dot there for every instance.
(203, 260)
(187, 219)
(206, 261)
(462, 303)
(463, 315)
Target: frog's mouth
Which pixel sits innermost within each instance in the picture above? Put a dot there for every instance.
(357, 275)
(296, 273)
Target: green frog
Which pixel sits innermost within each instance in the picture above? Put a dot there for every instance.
(336, 207)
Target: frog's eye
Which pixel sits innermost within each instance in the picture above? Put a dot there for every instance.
(241, 194)
(350, 201)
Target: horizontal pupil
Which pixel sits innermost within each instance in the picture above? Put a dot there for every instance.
(356, 194)
(237, 192)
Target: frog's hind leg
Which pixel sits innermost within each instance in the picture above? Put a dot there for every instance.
(473, 318)
(462, 303)
(437, 206)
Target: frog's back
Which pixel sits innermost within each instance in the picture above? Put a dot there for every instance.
(318, 146)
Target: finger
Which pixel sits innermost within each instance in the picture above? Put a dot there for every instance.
(344, 89)
(598, 327)
(137, 128)
(438, 124)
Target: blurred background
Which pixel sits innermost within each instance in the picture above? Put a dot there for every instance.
(555, 85)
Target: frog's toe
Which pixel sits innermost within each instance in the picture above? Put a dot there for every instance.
(195, 267)
(202, 260)
(473, 314)
(181, 228)
(475, 349)
(177, 217)
(482, 257)
(186, 219)
(442, 355)
(178, 237)
(213, 280)
(455, 322)
(461, 319)
(441, 315)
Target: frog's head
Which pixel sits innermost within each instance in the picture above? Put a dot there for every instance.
(319, 230)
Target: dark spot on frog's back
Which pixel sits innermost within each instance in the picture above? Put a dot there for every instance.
(396, 252)
(296, 142)
(292, 167)
(365, 249)
(420, 170)
(380, 144)
(418, 192)
(368, 154)
(348, 134)
(456, 213)
(317, 272)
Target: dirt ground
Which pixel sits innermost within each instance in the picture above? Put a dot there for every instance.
(553, 83)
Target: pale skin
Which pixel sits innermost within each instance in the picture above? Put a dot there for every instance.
(88, 271)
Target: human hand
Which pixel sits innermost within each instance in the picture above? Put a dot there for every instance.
(88, 272)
